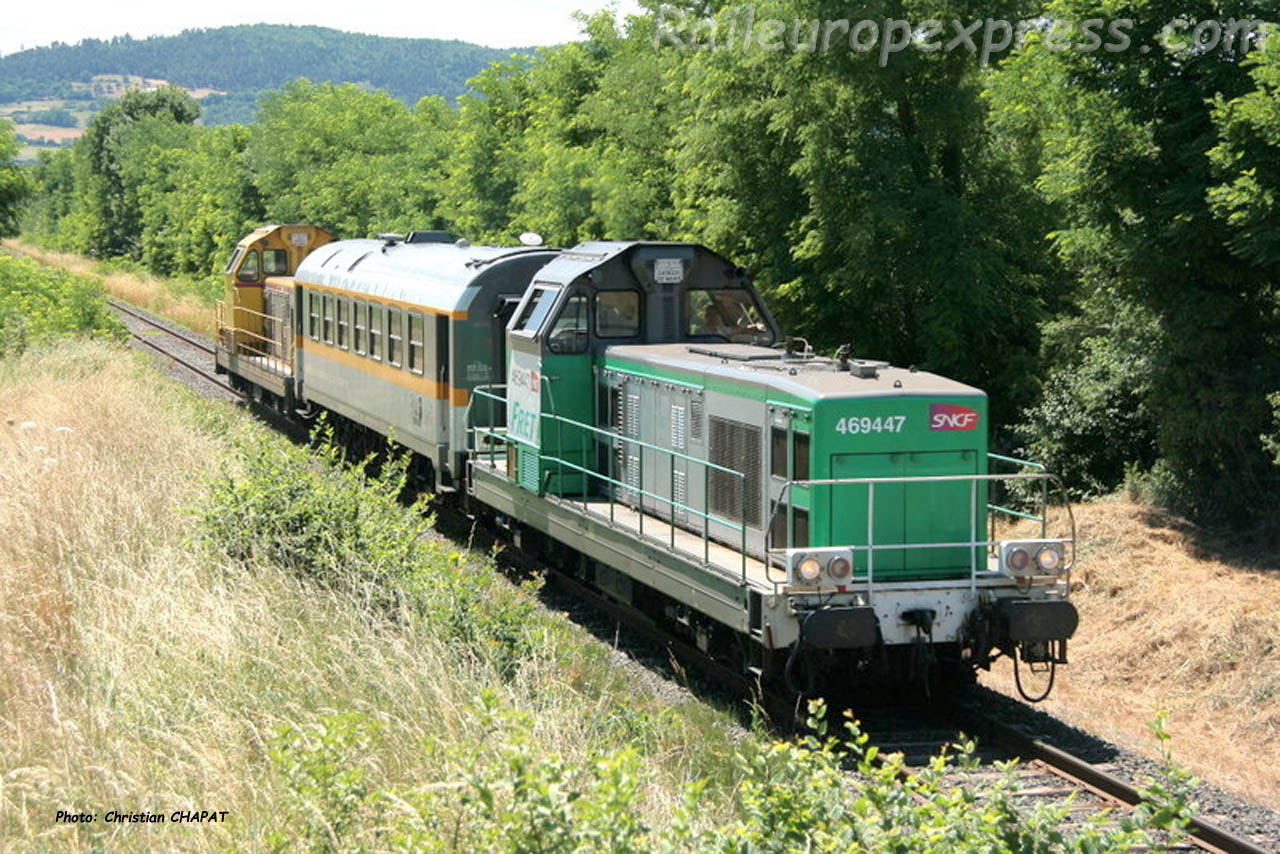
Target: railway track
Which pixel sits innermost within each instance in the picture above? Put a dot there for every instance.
(1045, 774)
(161, 336)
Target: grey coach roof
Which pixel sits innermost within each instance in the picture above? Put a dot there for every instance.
(441, 276)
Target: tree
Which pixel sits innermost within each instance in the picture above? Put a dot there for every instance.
(110, 152)
(1124, 140)
(871, 201)
(350, 160)
(14, 187)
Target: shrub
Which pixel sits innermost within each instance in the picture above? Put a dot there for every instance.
(813, 794)
(1092, 423)
(342, 523)
(38, 303)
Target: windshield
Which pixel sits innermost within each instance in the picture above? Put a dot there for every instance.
(535, 310)
(728, 314)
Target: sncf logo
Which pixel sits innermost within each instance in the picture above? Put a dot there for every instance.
(948, 416)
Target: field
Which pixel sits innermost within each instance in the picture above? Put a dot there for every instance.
(106, 87)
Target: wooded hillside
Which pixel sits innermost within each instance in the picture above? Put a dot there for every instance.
(244, 60)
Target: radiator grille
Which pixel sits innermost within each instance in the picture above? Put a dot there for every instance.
(679, 429)
(528, 469)
(680, 482)
(735, 446)
(632, 420)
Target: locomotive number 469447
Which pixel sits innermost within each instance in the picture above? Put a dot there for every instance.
(880, 424)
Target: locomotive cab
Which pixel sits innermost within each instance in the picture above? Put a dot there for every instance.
(600, 296)
(273, 251)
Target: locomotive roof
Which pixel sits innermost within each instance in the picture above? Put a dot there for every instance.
(441, 276)
(587, 256)
(813, 378)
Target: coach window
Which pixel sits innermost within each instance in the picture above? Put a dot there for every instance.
(569, 332)
(249, 269)
(360, 314)
(344, 322)
(314, 316)
(275, 262)
(415, 343)
(328, 320)
(618, 314)
(375, 332)
(395, 338)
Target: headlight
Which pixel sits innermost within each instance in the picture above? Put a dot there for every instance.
(1049, 559)
(839, 569)
(1018, 559)
(809, 569)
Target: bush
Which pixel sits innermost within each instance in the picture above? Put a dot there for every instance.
(342, 524)
(38, 303)
(1092, 425)
(814, 794)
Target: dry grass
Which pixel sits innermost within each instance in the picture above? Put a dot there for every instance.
(136, 672)
(1165, 627)
(148, 292)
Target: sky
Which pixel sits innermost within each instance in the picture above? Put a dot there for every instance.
(495, 23)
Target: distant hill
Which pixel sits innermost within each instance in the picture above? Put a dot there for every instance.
(242, 61)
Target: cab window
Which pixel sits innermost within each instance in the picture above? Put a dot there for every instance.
(618, 314)
(730, 314)
(534, 310)
(249, 269)
(235, 256)
(569, 332)
(275, 262)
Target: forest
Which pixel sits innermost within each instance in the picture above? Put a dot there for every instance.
(1093, 237)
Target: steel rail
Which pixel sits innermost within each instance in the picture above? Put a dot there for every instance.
(1205, 834)
(204, 373)
(163, 326)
